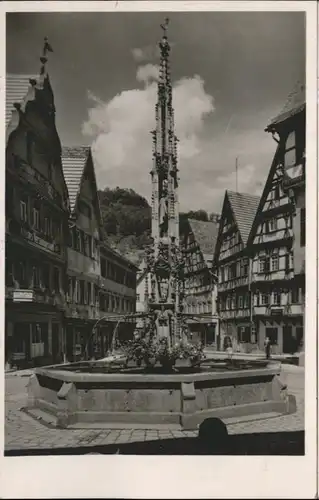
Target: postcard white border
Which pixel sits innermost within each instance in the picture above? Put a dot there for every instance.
(120, 476)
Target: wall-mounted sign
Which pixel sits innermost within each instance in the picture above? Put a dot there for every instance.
(23, 295)
(277, 311)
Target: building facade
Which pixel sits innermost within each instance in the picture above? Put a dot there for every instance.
(83, 251)
(36, 223)
(277, 239)
(232, 263)
(198, 240)
(118, 286)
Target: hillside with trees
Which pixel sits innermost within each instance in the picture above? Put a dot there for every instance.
(126, 217)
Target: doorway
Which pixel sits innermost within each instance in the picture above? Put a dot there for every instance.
(289, 343)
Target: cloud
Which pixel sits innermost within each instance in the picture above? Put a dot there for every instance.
(147, 73)
(147, 53)
(122, 145)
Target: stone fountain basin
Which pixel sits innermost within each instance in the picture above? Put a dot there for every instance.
(132, 398)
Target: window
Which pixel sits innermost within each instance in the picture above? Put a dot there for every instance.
(246, 300)
(275, 193)
(138, 297)
(228, 303)
(295, 296)
(275, 262)
(82, 292)
(47, 226)
(222, 274)
(35, 276)
(264, 264)
(56, 279)
(78, 240)
(264, 299)
(276, 298)
(86, 245)
(289, 262)
(70, 288)
(273, 224)
(23, 211)
(36, 218)
(103, 268)
(272, 334)
(240, 302)
(78, 291)
(302, 227)
(244, 267)
(89, 293)
(290, 150)
(46, 276)
(232, 270)
(233, 302)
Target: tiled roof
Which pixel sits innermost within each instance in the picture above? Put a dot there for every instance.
(295, 103)
(17, 88)
(73, 161)
(244, 208)
(205, 233)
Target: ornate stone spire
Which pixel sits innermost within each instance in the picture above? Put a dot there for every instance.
(164, 260)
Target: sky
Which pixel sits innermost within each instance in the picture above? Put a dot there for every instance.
(231, 73)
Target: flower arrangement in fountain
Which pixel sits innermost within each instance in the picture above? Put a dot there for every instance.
(150, 350)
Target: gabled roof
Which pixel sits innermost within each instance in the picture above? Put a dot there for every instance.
(295, 103)
(17, 89)
(264, 195)
(205, 233)
(244, 207)
(74, 160)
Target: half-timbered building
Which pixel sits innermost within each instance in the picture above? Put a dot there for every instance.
(232, 263)
(118, 285)
(277, 237)
(198, 240)
(83, 252)
(36, 223)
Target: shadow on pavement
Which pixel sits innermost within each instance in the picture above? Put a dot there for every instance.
(275, 443)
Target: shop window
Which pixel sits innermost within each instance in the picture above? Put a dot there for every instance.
(272, 334)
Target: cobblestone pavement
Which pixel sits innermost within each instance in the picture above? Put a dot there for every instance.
(24, 432)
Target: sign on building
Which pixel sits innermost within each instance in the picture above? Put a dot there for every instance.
(23, 296)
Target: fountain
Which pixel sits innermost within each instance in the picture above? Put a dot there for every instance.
(163, 379)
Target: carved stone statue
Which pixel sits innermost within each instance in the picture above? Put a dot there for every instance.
(163, 285)
(162, 322)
